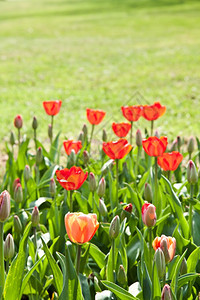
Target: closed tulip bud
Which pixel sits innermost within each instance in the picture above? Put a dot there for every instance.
(129, 208)
(9, 247)
(12, 138)
(35, 123)
(15, 183)
(121, 275)
(72, 157)
(39, 156)
(149, 214)
(35, 217)
(183, 267)
(190, 145)
(168, 246)
(17, 224)
(18, 122)
(148, 195)
(114, 227)
(192, 175)
(50, 131)
(102, 208)
(166, 293)
(157, 134)
(4, 206)
(104, 136)
(18, 193)
(138, 138)
(52, 187)
(85, 131)
(81, 137)
(27, 173)
(92, 182)
(85, 157)
(174, 146)
(179, 142)
(102, 187)
(160, 262)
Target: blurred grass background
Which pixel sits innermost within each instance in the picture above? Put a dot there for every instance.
(99, 54)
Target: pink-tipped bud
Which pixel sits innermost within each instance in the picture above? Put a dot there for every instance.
(192, 175)
(4, 206)
(52, 187)
(12, 138)
(35, 123)
(27, 173)
(166, 293)
(160, 262)
(168, 246)
(156, 133)
(15, 183)
(102, 187)
(9, 247)
(39, 156)
(121, 275)
(92, 182)
(114, 227)
(138, 138)
(128, 208)
(50, 131)
(102, 208)
(18, 122)
(17, 224)
(148, 195)
(190, 145)
(149, 214)
(18, 193)
(85, 157)
(183, 267)
(104, 136)
(35, 217)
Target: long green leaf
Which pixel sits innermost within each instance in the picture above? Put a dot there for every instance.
(118, 291)
(193, 260)
(97, 255)
(48, 175)
(174, 282)
(184, 279)
(54, 148)
(156, 291)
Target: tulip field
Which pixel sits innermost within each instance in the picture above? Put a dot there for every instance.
(120, 220)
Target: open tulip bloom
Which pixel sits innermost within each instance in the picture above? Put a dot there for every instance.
(52, 108)
(132, 114)
(153, 112)
(70, 145)
(167, 245)
(121, 129)
(170, 161)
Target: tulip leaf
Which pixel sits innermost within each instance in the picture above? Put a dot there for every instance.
(174, 282)
(15, 275)
(47, 176)
(97, 255)
(54, 148)
(193, 260)
(118, 291)
(156, 291)
(22, 157)
(186, 278)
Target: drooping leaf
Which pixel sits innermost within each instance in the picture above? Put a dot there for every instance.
(118, 291)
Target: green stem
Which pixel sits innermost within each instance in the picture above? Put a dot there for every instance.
(168, 175)
(156, 184)
(2, 270)
(19, 138)
(190, 209)
(150, 250)
(51, 139)
(78, 258)
(190, 156)
(35, 139)
(93, 202)
(137, 162)
(131, 133)
(117, 181)
(152, 123)
(113, 259)
(92, 131)
(71, 201)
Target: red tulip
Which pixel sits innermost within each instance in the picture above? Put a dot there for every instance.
(117, 150)
(80, 227)
(70, 144)
(71, 179)
(128, 208)
(170, 161)
(132, 113)
(154, 146)
(121, 129)
(95, 116)
(154, 111)
(52, 108)
(18, 122)
(149, 214)
(167, 244)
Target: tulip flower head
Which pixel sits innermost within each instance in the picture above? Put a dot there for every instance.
(71, 179)
(81, 227)
(192, 175)
(154, 111)
(166, 293)
(121, 129)
(128, 208)
(52, 108)
(95, 116)
(4, 206)
(132, 113)
(167, 245)
(70, 144)
(18, 122)
(138, 138)
(170, 161)
(117, 150)
(9, 247)
(154, 146)
(149, 214)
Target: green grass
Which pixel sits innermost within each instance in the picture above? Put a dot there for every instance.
(98, 54)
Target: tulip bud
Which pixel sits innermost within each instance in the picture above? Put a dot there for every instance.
(52, 187)
(104, 136)
(166, 293)
(174, 146)
(190, 145)
(168, 246)
(179, 142)
(85, 131)
(72, 157)
(183, 267)
(160, 262)
(102, 187)
(18, 193)
(121, 275)
(157, 134)
(81, 137)
(129, 208)
(148, 195)
(35, 123)
(149, 214)
(4, 206)
(50, 131)
(102, 208)
(15, 183)
(138, 138)
(27, 173)
(18, 122)
(39, 156)
(9, 247)
(12, 138)
(92, 182)
(35, 217)
(85, 157)
(192, 175)
(114, 227)
(17, 224)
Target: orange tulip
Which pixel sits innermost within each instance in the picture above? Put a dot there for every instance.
(95, 116)
(71, 179)
(167, 245)
(132, 113)
(70, 145)
(52, 108)
(121, 129)
(154, 111)
(80, 227)
(117, 150)
(170, 161)
(154, 146)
